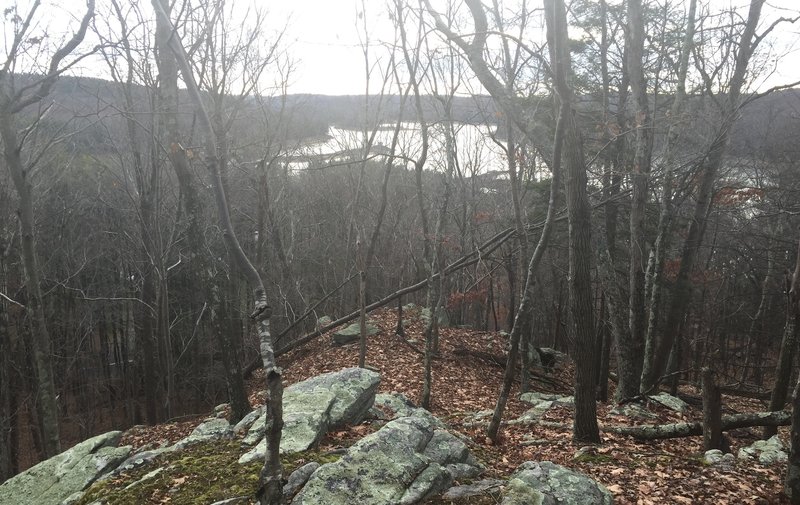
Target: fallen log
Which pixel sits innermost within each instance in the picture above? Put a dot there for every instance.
(689, 429)
(464, 261)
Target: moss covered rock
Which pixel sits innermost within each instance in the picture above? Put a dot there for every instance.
(545, 483)
(62, 476)
(395, 465)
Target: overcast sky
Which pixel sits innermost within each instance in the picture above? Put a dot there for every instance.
(325, 40)
(324, 37)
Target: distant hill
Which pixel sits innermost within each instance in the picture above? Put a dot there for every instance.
(767, 127)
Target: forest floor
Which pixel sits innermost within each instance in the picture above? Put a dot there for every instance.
(666, 471)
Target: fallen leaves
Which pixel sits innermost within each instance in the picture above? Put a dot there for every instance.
(662, 472)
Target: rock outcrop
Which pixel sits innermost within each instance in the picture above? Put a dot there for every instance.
(404, 462)
(767, 452)
(546, 483)
(313, 407)
(352, 334)
(411, 458)
(61, 477)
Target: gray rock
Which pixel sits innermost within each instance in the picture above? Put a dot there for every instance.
(534, 398)
(59, 478)
(323, 322)
(542, 402)
(633, 411)
(716, 458)
(306, 418)
(713, 456)
(316, 405)
(475, 419)
(211, 429)
(480, 488)
(387, 467)
(533, 415)
(148, 476)
(354, 388)
(546, 483)
(141, 458)
(298, 478)
(396, 405)
(352, 333)
(460, 471)
(234, 501)
(768, 452)
(247, 421)
(671, 402)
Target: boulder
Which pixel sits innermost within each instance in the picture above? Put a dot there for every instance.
(545, 483)
(323, 322)
(306, 418)
(62, 476)
(550, 358)
(298, 479)
(140, 459)
(352, 333)
(247, 421)
(402, 463)
(395, 405)
(211, 429)
(443, 320)
(671, 402)
(487, 487)
(354, 390)
(534, 398)
(316, 405)
(542, 402)
(767, 452)
(715, 457)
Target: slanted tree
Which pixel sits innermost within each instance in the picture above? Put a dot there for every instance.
(271, 487)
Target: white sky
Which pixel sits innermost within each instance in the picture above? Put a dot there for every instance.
(325, 37)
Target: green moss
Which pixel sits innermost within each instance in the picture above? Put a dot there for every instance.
(202, 473)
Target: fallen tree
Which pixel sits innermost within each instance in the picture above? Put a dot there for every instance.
(466, 260)
(689, 429)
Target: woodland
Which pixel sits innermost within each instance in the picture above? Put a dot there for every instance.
(165, 237)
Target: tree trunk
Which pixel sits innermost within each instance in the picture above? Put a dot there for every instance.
(712, 412)
(630, 348)
(40, 342)
(783, 371)
(792, 484)
(690, 429)
(585, 428)
(271, 487)
(709, 167)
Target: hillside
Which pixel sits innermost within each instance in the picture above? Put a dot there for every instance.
(466, 382)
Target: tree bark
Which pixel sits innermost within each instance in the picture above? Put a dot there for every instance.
(665, 213)
(792, 483)
(46, 403)
(271, 487)
(690, 429)
(783, 371)
(630, 347)
(709, 166)
(585, 428)
(712, 412)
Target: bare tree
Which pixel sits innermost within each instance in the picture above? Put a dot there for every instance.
(709, 166)
(14, 99)
(271, 486)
